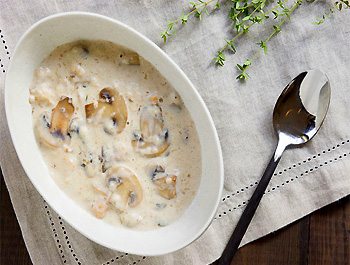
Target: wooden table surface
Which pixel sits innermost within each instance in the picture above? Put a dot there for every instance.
(321, 238)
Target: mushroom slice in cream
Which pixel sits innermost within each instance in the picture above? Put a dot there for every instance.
(123, 145)
(166, 186)
(55, 132)
(130, 59)
(125, 187)
(153, 138)
(165, 183)
(74, 126)
(107, 157)
(110, 109)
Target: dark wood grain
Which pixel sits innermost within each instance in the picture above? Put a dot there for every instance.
(321, 238)
(12, 247)
(287, 246)
(330, 235)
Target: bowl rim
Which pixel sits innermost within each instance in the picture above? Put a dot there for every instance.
(183, 75)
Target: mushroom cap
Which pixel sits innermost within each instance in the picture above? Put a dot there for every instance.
(110, 107)
(61, 116)
(45, 136)
(153, 139)
(166, 186)
(55, 133)
(125, 186)
(73, 125)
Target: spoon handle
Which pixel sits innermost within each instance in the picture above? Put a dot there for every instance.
(249, 211)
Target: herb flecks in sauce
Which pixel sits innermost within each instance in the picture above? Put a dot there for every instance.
(113, 133)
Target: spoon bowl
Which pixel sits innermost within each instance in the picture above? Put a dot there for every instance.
(301, 108)
(298, 115)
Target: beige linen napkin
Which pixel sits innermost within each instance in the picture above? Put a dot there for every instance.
(306, 179)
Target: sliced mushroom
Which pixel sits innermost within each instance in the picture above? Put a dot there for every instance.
(153, 138)
(110, 110)
(61, 116)
(106, 158)
(125, 186)
(157, 172)
(54, 133)
(130, 59)
(112, 154)
(78, 128)
(166, 186)
(43, 130)
(164, 182)
(74, 126)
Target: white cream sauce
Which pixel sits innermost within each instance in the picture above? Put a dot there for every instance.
(115, 135)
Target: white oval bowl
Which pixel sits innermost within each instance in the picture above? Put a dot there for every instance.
(32, 48)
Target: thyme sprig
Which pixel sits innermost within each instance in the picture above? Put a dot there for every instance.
(244, 14)
(338, 5)
(276, 29)
(197, 10)
(220, 59)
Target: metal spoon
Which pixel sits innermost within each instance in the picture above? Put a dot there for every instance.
(298, 114)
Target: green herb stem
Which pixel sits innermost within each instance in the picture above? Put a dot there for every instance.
(196, 10)
(337, 5)
(243, 68)
(261, 16)
(245, 10)
(249, 5)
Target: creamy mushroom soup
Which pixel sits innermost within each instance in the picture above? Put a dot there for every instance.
(115, 135)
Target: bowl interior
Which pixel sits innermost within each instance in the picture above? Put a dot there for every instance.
(33, 47)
